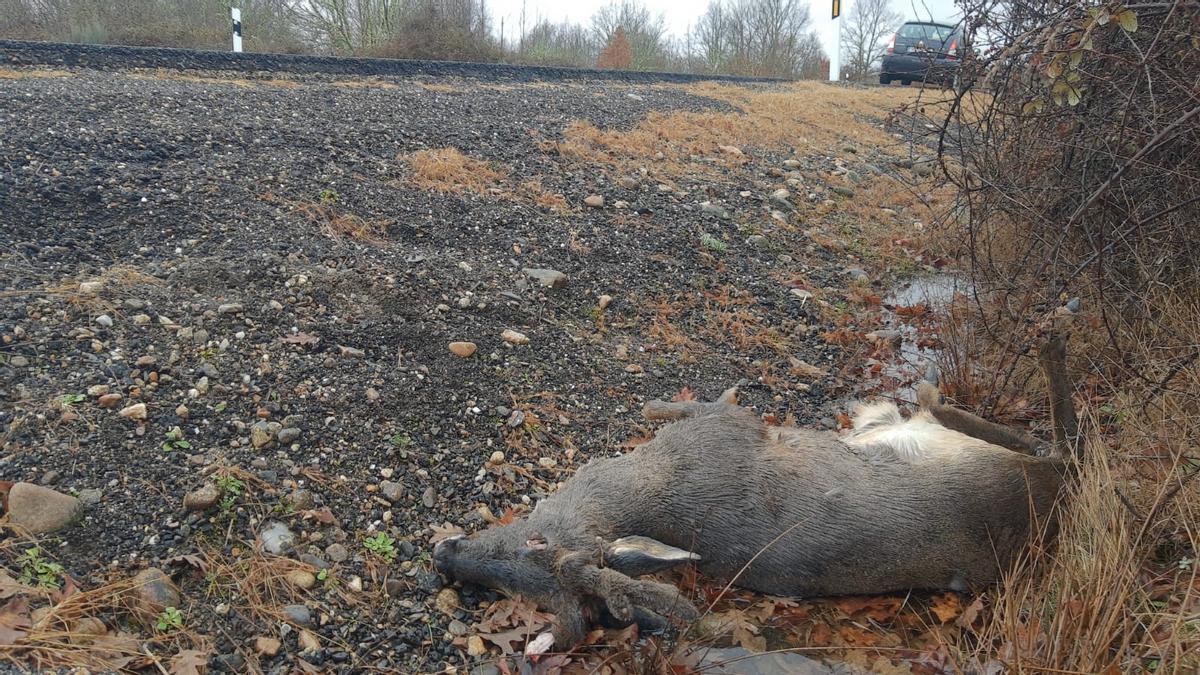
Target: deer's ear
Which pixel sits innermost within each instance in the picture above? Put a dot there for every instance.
(635, 556)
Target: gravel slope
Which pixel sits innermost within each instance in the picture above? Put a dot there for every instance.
(186, 200)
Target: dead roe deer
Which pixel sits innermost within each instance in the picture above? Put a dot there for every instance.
(942, 500)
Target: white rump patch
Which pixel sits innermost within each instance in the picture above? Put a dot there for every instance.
(869, 415)
(880, 425)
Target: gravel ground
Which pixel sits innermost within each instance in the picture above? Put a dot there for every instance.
(315, 369)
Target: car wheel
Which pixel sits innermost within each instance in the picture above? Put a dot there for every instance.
(906, 81)
(885, 79)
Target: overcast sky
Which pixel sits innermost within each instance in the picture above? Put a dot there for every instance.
(680, 14)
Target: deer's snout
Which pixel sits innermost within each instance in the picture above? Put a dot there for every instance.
(444, 553)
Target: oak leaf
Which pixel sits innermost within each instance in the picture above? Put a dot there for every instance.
(189, 662)
(946, 607)
(14, 620)
(444, 531)
(874, 607)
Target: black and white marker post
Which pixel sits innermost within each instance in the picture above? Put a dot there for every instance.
(237, 28)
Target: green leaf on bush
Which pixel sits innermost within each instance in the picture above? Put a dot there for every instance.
(1128, 20)
(1100, 15)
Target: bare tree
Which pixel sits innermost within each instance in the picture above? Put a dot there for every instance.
(868, 23)
(562, 44)
(778, 26)
(757, 37)
(347, 26)
(711, 36)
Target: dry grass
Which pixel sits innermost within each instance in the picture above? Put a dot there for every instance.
(258, 583)
(687, 324)
(179, 76)
(439, 88)
(366, 83)
(808, 116)
(528, 85)
(89, 629)
(24, 73)
(1118, 589)
(335, 222)
(447, 170)
(545, 199)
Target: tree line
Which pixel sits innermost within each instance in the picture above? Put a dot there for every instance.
(773, 38)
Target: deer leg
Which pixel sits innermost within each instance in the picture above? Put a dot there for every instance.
(976, 427)
(623, 594)
(657, 411)
(1053, 358)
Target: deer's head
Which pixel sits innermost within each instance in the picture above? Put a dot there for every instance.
(567, 571)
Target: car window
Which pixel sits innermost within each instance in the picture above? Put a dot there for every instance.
(926, 31)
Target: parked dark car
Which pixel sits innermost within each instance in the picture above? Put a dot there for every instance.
(924, 51)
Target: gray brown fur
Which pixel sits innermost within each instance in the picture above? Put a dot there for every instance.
(721, 484)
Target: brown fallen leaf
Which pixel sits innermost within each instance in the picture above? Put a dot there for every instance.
(322, 515)
(513, 612)
(874, 607)
(14, 620)
(505, 639)
(821, 635)
(444, 531)
(189, 662)
(853, 635)
(970, 613)
(946, 606)
(114, 651)
(9, 586)
(741, 629)
(804, 369)
(303, 339)
(188, 559)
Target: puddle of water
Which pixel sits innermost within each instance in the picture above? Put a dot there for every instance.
(911, 356)
(932, 291)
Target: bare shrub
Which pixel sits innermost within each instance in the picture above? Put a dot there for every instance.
(1080, 175)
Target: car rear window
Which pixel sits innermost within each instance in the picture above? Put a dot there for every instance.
(926, 31)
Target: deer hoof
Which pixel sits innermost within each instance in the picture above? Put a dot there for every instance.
(539, 645)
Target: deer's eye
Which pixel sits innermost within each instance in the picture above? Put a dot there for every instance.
(536, 542)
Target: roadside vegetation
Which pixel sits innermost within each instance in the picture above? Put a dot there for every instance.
(1079, 176)
(772, 38)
